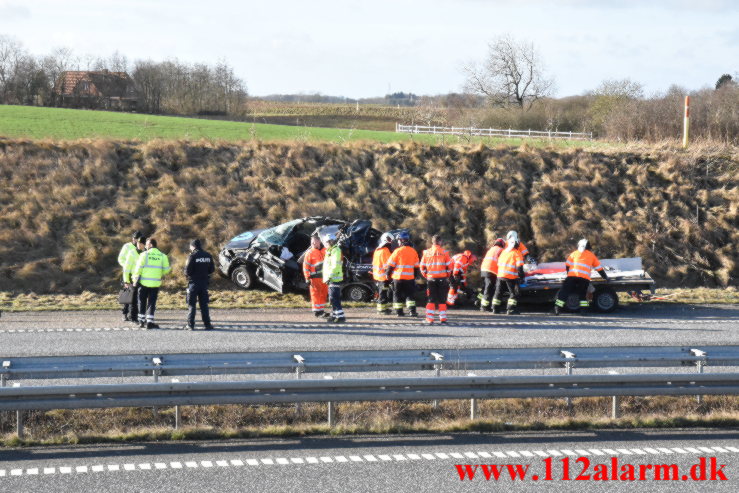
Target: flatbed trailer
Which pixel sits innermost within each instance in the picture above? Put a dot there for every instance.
(543, 282)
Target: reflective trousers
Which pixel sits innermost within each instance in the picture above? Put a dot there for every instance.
(318, 294)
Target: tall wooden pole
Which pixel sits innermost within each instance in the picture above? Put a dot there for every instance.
(686, 122)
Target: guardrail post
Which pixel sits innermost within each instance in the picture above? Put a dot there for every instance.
(19, 424)
(473, 403)
(699, 366)
(615, 402)
(298, 374)
(331, 409)
(437, 357)
(3, 377)
(155, 373)
(568, 368)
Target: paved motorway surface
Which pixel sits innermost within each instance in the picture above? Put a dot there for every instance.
(102, 332)
(418, 463)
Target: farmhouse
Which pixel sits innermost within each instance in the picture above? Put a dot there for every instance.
(95, 89)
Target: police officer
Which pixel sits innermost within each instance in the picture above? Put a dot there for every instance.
(198, 269)
(151, 267)
(127, 258)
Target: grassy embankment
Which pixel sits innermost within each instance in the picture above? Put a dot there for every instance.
(208, 422)
(67, 124)
(67, 207)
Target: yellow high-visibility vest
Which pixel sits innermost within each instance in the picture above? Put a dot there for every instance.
(151, 267)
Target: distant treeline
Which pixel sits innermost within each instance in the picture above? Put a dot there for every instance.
(170, 87)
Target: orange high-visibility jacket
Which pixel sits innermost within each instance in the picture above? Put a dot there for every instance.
(581, 263)
(379, 260)
(460, 264)
(313, 262)
(436, 263)
(404, 260)
(509, 262)
(490, 262)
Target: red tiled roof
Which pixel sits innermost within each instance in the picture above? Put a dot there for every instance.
(99, 83)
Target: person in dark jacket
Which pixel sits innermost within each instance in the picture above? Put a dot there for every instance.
(198, 268)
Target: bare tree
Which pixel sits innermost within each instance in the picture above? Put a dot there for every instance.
(512, 74)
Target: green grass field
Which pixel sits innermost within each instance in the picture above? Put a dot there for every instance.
(67, 124)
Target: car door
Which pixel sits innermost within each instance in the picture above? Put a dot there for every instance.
(272, 270)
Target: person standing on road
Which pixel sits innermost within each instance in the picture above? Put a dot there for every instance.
(461, 264)
(127, 260)
(312, 271)
(579, 265)
(402, 267)
(333, 275)
(379, 261)
(510, 274)
(436, 267)
(150, 269)
(489, 274)
(198, 269)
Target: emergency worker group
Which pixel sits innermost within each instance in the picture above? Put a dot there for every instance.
(395, 273)
(144, 268)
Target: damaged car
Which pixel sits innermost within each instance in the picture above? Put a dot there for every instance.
(273, 256)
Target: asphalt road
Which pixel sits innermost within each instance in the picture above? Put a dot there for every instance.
(102, 332)
(417, 463)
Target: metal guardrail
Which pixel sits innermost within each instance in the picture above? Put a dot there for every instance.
(19, 399)
(491, 132)
(361, 389)
(183, 364)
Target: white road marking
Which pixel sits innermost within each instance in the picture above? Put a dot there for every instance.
(471, 455)
(651, 451)
(568, 452)
(98, 468)
(371, 458)
(311, 460)
(49, 470)
(16, 472)
(114, 467)
(440, 455)
(665, 450)
(268, 462)
(145, 467)
(456, 455)
(32, 472)
(2, 473)
(500, 455)
(597, 451)
(484, 455)
(679, 450)
(385, 457)
(625, 451)
(513, 454)
(175, 465)
(191, 464)
(582, 452)
(638, 451)
(554, 453)
(721, 450)
(295, 460)
(341, 458)
(706, 449)
(693, 450)
(281, 461)
(254, 462)
(526, 453)
(400, 457)
(541, 453)
(355, 458)
(327, 460)
(428, 457)
(610, 451)
(160, 465)
(65, 470)
(81, 469)
(733, 449)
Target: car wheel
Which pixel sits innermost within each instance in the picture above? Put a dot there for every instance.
(605, 300)
(243, 276)
(357, 293)
(573, 302)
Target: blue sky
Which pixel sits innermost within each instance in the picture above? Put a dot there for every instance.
(360, 49)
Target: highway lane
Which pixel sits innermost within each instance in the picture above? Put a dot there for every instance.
(102, 332)
(415, 463)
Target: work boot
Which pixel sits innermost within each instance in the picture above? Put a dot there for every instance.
(513, 311)
(326, 315)
(208, 327)
(582, 313)
(496, 310)
(399, 312)
(413, 312)
(557, 310)
(125, 318)
(337, 320)
(444, 322)
(188, 327)
(142, 324)
(428, 322)
(319, 313)
(387, 311)
(151, 325)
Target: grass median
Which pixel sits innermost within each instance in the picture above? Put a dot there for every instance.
(258, 298)
(353, 418)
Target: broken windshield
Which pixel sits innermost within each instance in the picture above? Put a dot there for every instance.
(278, 234)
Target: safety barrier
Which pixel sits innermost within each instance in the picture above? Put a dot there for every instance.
(20, 398)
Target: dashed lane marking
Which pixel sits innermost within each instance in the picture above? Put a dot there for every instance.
(341, 459)
(380, 325)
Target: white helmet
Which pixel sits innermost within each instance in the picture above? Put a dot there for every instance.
(328, 236)
(583, 245)
(386, 238)
(512, 237)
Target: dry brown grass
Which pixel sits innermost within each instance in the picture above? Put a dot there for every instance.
(140, 424)
(67, 207)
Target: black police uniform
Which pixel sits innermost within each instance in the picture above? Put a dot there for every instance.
(198, 269)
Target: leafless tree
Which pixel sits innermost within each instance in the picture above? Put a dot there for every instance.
(512, 74)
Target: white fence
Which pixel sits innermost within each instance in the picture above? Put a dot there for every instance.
(492, 132)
